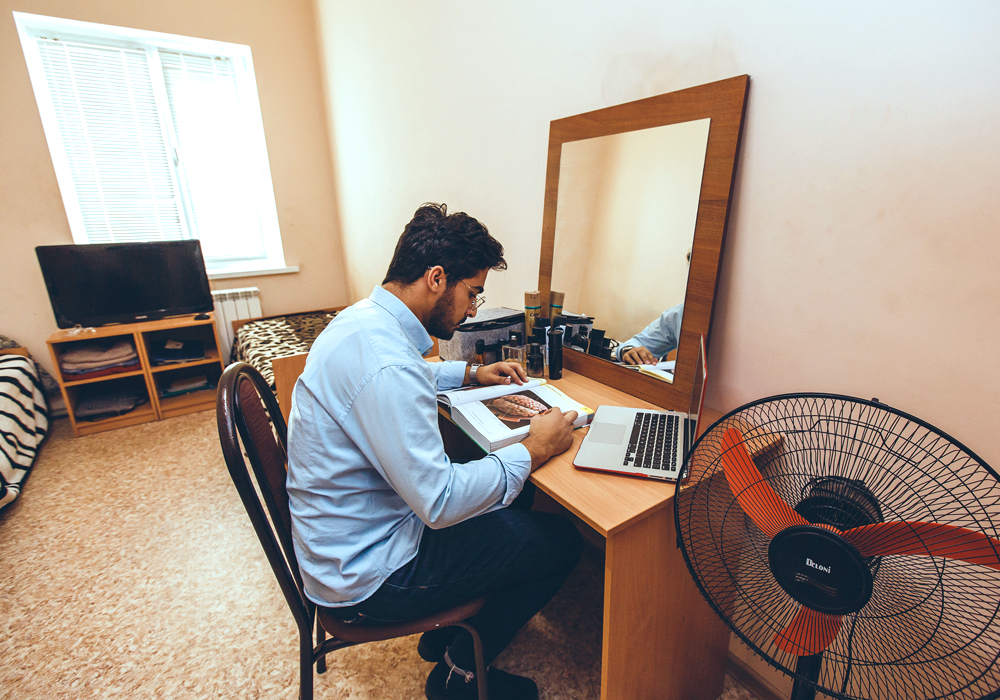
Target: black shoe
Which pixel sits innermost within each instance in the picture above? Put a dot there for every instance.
(502, 685)
(433, 644)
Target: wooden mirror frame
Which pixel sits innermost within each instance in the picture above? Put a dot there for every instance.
(724, 102)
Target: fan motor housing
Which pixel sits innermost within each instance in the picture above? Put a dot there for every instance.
(820, 569)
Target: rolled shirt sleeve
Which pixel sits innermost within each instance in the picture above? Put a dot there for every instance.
(448, 375)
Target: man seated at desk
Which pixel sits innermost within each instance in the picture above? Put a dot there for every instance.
(385, 526)
(655, 341)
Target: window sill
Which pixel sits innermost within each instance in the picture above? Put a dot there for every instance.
(226, 274)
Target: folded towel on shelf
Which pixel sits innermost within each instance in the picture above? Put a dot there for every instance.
(87, 366)
(104, 400)
(106, 352)
(77, 371)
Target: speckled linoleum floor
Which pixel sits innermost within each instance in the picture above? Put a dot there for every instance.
(128, 569)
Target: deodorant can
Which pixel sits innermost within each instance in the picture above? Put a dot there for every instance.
(555, 353)
(532, 310)
(555, 304)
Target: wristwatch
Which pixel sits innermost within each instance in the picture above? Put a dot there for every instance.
(472, 374)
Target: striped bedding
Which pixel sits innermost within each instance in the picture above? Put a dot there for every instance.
(24, 420)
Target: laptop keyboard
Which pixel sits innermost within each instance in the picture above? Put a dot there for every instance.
(653, 443)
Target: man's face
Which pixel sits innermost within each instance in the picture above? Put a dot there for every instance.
(456, 304)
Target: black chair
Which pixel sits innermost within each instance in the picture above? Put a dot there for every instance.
(248, 414)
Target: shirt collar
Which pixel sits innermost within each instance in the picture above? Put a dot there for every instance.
(414, 329)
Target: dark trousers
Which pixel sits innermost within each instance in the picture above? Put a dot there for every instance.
(517, 558)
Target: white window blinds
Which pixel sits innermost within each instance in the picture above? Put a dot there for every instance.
(155, 137)
(107, 116)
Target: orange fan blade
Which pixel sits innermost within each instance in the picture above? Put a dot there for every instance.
(756, 497)
(928, 539)
(809, 633)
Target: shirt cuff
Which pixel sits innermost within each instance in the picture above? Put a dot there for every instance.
(516, 462)
(451, 375)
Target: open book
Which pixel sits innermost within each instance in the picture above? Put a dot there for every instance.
(661, 370)
(500, 415)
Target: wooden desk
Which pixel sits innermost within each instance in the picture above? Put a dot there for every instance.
(661, 639)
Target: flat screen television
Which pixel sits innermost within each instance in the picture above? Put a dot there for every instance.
(94, 285)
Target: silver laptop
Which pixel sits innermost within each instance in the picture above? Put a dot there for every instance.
(644, 442)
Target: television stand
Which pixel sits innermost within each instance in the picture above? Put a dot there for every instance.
(147, 380)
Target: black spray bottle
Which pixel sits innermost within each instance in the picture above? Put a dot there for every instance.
(555, 353)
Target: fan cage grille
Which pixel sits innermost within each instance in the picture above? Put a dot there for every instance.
(932, 626)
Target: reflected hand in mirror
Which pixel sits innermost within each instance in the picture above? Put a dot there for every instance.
(654, 342)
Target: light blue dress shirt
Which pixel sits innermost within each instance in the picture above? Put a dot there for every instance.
(366, 463)
(659, 337)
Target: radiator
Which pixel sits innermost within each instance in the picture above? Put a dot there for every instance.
(234, 305)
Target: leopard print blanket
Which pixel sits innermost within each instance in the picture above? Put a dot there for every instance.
(259, 342)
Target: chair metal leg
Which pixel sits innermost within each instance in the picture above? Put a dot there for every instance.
(477, 644)
(305, 667)
(320, 638)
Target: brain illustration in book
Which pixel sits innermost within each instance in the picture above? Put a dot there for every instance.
(517, 408)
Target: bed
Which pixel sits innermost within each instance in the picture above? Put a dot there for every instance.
(260, 341)
(24, 420)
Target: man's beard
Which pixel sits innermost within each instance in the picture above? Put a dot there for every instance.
(439, 325)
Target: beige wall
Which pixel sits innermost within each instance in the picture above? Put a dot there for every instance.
(863, 245)
(284, 42)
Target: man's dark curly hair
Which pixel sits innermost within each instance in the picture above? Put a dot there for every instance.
(456, 242)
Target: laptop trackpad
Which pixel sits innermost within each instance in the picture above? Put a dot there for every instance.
(607, 433)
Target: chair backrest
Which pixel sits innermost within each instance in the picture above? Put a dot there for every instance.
(248, 414)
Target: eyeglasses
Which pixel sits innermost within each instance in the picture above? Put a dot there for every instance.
(477, 299)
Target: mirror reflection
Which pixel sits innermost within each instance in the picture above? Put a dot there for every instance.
(625, 221)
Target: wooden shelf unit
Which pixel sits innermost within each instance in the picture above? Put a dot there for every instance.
(153, 378)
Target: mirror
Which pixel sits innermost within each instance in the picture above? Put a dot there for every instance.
(625, 218)
(629, 191)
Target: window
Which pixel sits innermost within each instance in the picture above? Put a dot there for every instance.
(156, 137)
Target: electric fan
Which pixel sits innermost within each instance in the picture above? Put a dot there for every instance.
(852, 546)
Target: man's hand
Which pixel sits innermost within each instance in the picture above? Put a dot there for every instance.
(501, 373)
(551, 433)
(638, 355)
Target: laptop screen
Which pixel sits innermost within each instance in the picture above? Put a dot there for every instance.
(698, 391)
